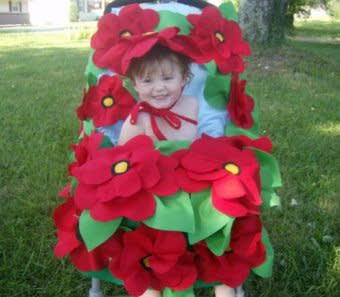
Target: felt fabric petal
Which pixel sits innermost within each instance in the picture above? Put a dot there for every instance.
(198, 163)
(140, 141)
(207, 176)
(187, 184)
(237, 271)
(253, 190)
(231, 207)
(138, 207)
(183, 275)
(127, 184)
(137, 283)
(67, 242)
(167, 184)
(64, 216)
(86, 261)
(93, 172)
(229, 187)
(85, 196)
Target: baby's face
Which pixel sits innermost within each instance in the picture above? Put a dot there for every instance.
(161, 85)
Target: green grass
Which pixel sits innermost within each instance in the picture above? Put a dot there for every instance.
(318, 28)
(297, 87)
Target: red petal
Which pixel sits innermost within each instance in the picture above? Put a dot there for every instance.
(187, 184)
(167, 184)
(138, 207)
(137, 282)
(231, 207)
(84, 196)
(67, 242)
(93, 172)
(64, 216)
(229, 187)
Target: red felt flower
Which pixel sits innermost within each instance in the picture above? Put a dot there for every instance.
(119, 57)
(245, 252)
(233, 174)
(86, 149)
(240, 104)
(155, 259)
(66, 219)
(219, 39)
(121, 181)
(132, 20)
(106, 103)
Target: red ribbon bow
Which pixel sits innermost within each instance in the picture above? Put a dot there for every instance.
(173, 119)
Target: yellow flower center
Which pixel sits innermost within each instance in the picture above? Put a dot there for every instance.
(120, 167)
(232, 168)
(125, 33)
(146, 262)
(219, 36)
(108, 102)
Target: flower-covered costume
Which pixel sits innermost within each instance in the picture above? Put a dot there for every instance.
(169, 215)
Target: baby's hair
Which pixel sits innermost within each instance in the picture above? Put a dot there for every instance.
(156, 56)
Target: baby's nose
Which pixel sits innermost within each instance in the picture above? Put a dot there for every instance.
(159, 85)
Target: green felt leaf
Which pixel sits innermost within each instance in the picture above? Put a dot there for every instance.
(199, 284)
(167, 292)
(128, 85)
(91, 68)
(211, 67)
(103, 275)
(170, 19)
(88, 126)
(233, 130)
(106, 143)
(167, 147)
(219, 241)
(269, 170)
(270, 199)
(74, 184)
(208, 220)
(88, 228)
(173, 213)
(72, 157)
(266, 269)
(91, 80)
(228, 11)
(216, 90)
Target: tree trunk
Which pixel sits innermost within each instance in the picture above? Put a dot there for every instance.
(263, 21)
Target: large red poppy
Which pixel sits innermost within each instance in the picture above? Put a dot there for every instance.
(106, 103)
(154, 259)
(233, 174)
(219, 39)
(119, 57)
(132, 20)
(245, 252)
(240, 104)
(66, 219)
(122, 180)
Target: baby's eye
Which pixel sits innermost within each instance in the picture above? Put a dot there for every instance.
(168, 77)
(146, 80)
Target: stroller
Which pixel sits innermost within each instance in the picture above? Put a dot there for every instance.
(198, 223)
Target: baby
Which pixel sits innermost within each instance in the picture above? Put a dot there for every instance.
(162, 112)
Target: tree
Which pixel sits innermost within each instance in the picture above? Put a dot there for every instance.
(263, 21)
(266, 21)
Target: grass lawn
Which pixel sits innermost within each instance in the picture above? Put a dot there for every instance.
(298, 89)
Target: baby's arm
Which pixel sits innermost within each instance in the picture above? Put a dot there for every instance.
(129, 131)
